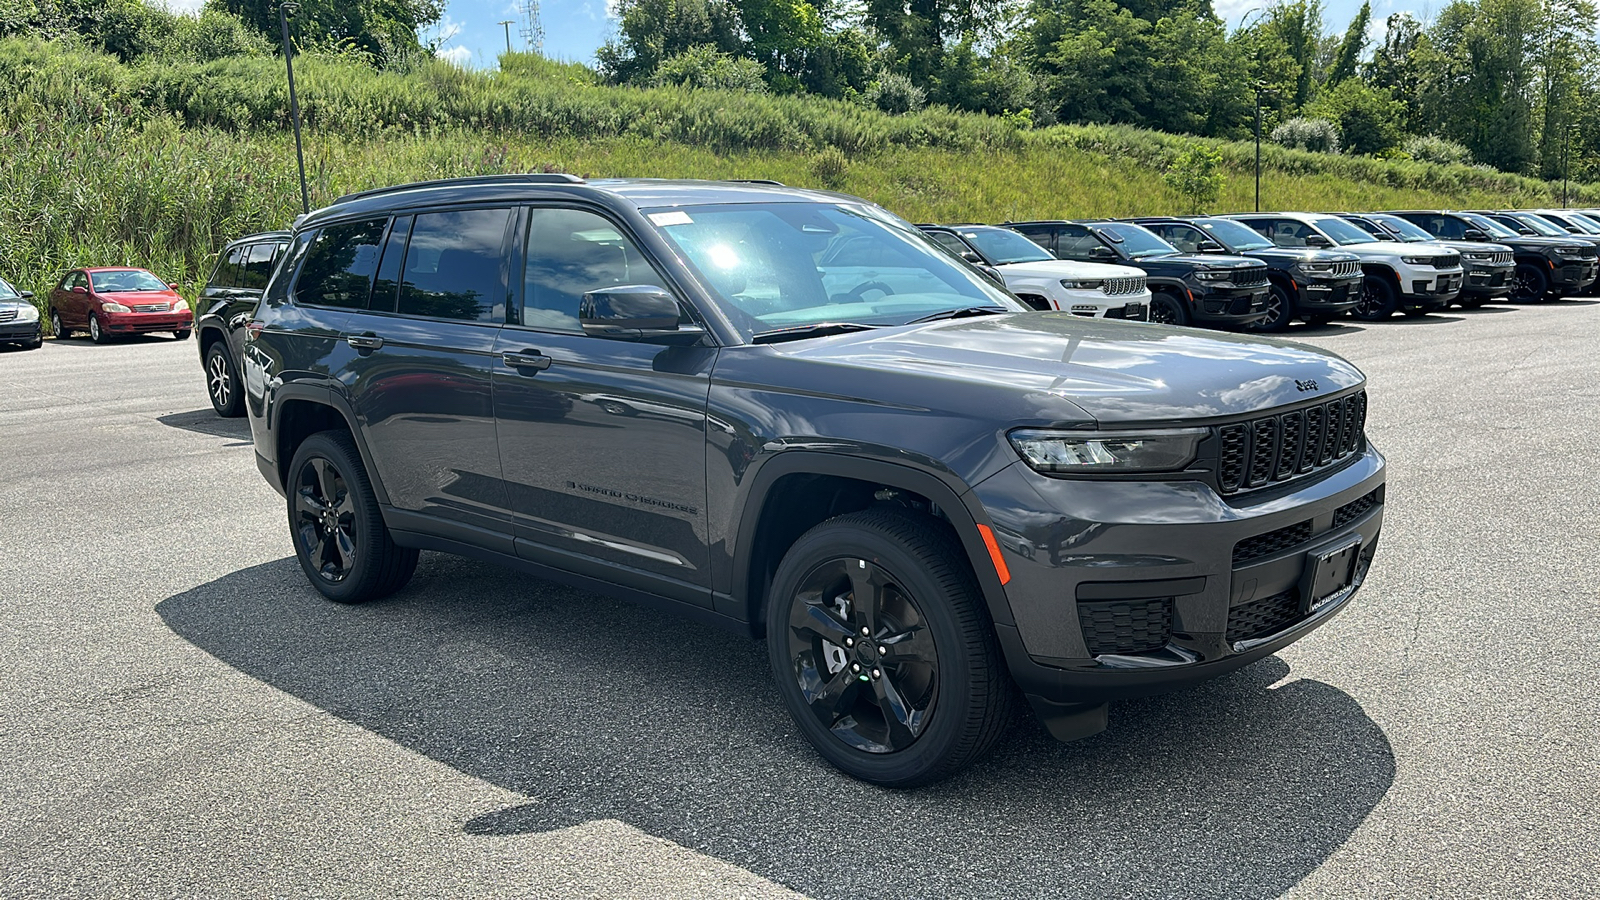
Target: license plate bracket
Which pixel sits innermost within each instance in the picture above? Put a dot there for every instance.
(1329, 574)
(1134, 311)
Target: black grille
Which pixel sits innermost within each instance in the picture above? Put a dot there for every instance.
(1354, 510)
(1251, 277)
(1277, 448)
(1453, 261)
(1271, 542)
(1259, 618)
(1126, 626)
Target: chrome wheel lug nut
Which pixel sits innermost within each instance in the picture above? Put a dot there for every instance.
(855, 667)
(865, 631)
(876, 673)
(883, 651)
(849, 642)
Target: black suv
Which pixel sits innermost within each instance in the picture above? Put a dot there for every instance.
(1545, 264)
(1200, 289)
(225, 305)
(790, 413)
(1314, 285)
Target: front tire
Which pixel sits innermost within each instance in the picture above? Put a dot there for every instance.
(1529, 284)
(339, 535)
(1378, 300)
(222, 383)
(97, 333)
(1166, 309)
(1280, 310)
(883, 650)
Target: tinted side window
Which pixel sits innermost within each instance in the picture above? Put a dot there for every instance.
(386, 290)
(339, 265)
(949, 242)
(455, 266)
(1184, 237)
(1075, 242)
(227, 273)
(572, 252)
(1447, 227)
(257, 267)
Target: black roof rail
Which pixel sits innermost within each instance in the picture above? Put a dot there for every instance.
(470, 180)
(757, 181)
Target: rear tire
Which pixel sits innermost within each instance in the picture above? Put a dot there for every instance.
(920, 695)
(1378, 300)
(339, 535)
(1166, 309)
(222, 383)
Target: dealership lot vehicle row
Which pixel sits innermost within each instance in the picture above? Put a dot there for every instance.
(190, 718)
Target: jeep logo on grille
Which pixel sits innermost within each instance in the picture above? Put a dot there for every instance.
(1309, 384)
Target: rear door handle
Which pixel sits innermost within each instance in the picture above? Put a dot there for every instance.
(364, 341)
(526, 359)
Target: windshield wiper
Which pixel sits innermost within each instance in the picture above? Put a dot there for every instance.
(821, 329)
(961, 313)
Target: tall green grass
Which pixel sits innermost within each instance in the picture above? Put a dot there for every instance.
(158, 166)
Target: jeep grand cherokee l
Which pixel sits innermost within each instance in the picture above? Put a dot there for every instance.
(1490, 268)
(1185, 289)
(1315, 285)
(226, 304)
(921, 492)
(1544, 264)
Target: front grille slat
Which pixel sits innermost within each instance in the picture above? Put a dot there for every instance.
(1278, 448)
(6, 315)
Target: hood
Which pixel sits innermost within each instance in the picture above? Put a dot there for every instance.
(1116, 372)
(1465, 247)
(1397, 248)
(1211, 261)
(1298, 255)
(1541, 242)
(1061, 268)
(128, 298)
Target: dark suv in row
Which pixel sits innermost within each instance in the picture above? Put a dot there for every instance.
(226, 303)
(1185, 289)
(790, 413)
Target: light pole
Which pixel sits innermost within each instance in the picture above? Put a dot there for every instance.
(285, 10)
(507, 26)
(1259, 88)
(1566, 153)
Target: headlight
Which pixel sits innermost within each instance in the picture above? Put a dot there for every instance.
(1084, 285)
(1571, 252)
(1080, 453)
(27, 312)
(1417, 260)
(1478, 257)
(180, 305)
(1213, 276)
(108, 306)
(1316, 268)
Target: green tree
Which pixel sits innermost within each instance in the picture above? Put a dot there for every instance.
(382, 28)
(1566, 54)
(1298, 26)
(1368, 118)
(1395, 67)
(1196, 176)
(652, 31)
(1351, 48)
(1479, 77)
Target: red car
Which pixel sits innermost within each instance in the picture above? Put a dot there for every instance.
(110, 301)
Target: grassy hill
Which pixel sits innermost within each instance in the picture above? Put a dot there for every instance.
(159, 163)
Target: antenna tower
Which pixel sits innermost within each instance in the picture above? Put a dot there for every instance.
(532, 29)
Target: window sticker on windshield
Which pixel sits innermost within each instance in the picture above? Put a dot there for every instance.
(676, 217)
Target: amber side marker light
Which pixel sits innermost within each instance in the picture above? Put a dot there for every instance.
(994, 554)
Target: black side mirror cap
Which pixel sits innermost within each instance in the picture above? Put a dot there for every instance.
(1102, 253)
(628, 311)
(1210, 247)
(1473, 234)
(26, 295)
(1318, 241)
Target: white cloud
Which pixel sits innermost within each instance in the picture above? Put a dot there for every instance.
(179, 6)
(458, 55)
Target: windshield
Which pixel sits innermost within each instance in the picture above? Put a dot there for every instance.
(1372, 228)
(1341, 232)
(1005, 246)
(1233, 235)
(791, 265)
(1405, 231)
(1489, 226)
(7, 292)
(1135, 241)
(1541, 225)
(1578, 225)
(125, 281)
(1587, 222)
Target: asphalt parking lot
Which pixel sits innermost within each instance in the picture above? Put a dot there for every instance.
(185, 717)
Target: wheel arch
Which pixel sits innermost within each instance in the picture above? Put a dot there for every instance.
(799, 489)
(301, 412)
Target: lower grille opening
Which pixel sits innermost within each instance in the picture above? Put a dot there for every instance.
(1271, 542)
(1355, 509)
(1265, 616)
(1126, 626)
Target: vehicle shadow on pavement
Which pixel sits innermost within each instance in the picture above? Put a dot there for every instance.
(80, 341)
(596, 709)
(206, 421)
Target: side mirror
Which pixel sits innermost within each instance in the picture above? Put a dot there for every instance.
(80, 289)
(26, 295)
(972, 257)
(173, 285)
(1473, 234)
(991, 273)
(1523, 229)
(628, 311)
(1102, 252)
(1318, 241)
(1209, 247)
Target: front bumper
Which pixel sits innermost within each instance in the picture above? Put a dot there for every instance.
(1488, 280)
(1570, 277)
(1228, 305)
(21, 332)
(1329, 295)
(1098, 305)
(141, 323)
(1121, 589)
(1430, 289)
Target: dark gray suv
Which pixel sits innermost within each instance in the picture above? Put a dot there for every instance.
(788, 413)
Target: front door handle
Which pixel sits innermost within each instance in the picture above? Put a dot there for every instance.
(368, 341)
(526, 359)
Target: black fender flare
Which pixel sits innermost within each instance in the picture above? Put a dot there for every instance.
(321, 395)
(1157, 284)
(964, 518)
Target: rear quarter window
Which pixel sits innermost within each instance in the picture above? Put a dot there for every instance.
(339, 265)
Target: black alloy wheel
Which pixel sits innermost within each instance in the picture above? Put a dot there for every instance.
(1166, 309)
(339, 534)
(57, 328)
(1280, 310)
(222, 383)
(883, 651)
(1378, 300)
(1529, 284)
